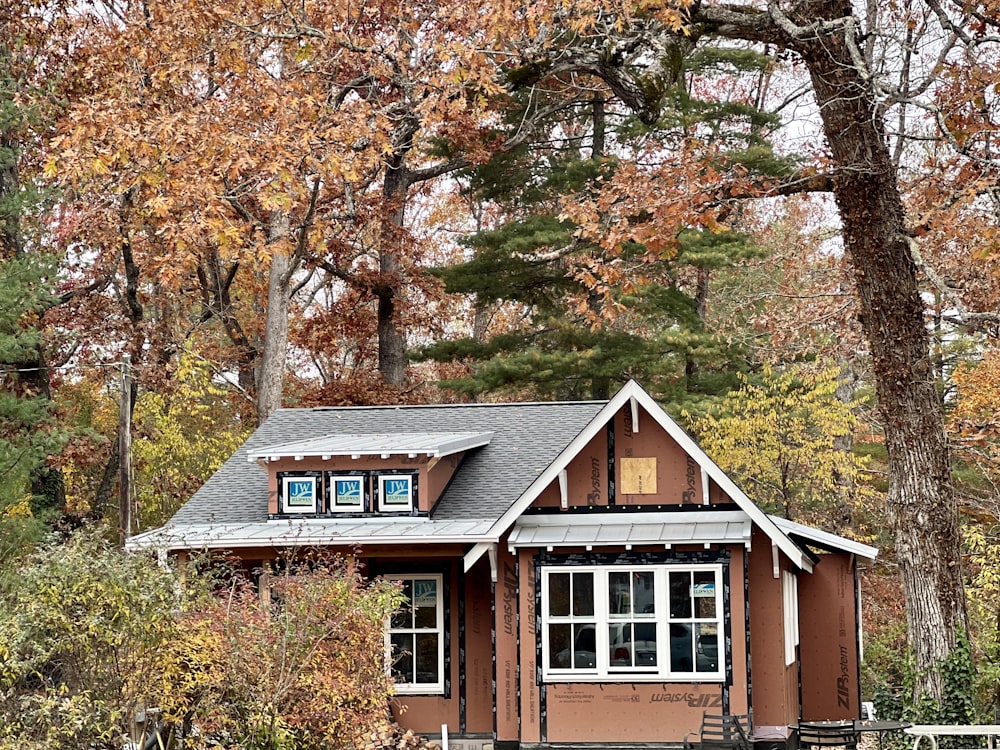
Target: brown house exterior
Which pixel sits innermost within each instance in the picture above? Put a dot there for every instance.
(579, 573)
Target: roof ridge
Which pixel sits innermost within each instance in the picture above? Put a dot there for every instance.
(397, 407)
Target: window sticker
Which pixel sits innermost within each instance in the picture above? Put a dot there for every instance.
(396, 492)
(299, 494)
(347, 493)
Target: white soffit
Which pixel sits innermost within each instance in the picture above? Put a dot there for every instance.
(435, 444)
(617, 529)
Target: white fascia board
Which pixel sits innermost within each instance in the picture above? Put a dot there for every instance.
(563, 460)
(827, 539)
(632, 390)
(436, 445)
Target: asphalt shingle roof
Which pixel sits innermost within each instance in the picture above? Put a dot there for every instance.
(526, 439)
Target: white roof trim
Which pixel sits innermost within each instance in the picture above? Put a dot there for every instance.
(824, 539)
(472, 556)
(632, 390)
(436, 444)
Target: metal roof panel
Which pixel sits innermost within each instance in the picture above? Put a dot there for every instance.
(615, 529)
(373, 444)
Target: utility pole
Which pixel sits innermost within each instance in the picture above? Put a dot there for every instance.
(125, 452)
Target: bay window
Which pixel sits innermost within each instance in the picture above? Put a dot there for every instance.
(606, 622)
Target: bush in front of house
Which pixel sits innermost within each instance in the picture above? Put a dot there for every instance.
(92, 638)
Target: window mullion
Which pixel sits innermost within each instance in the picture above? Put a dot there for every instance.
(662, 603)
(601, 619)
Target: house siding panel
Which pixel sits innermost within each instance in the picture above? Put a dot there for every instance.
(438, 477)
(530, 693)
(478, 650)
(505, 628)
(775, 685)
(678, 476)
(739, 691)
(661, 713)
(829, 652)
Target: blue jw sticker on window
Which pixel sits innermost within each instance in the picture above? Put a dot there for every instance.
(396, 491)
(347, 492)
(424, 593)
(300, 492)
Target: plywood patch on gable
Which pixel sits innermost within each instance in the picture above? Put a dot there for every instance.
(639, 476)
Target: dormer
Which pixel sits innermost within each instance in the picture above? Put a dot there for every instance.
(362, 474)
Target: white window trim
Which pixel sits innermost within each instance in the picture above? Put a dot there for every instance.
(286, 480)
(607, 673)
(382, 506)
(420, 688)
(790, 614)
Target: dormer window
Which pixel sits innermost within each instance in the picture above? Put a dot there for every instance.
(320, 493)
(299, 492)
(348, 494)
(395, 492)
(356, 474)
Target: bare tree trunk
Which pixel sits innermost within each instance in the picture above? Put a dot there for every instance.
(846, 393)
(270, 379)
(392, 359)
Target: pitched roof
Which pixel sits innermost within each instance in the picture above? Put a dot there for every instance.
(514, 452)
(525, 440)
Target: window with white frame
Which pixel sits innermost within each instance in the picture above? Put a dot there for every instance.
(396, 492)
(299, 492)
(347, 493)
(650, 622)
(415, 638)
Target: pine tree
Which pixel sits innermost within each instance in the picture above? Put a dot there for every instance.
(30, 490)
(581, 333)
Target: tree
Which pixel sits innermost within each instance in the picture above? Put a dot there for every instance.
(921, 505)
(183, 434)
(81, 633)
(777, 435)
(826, 39)
(30, 488)
(277, 161)
(29, 434)
(591, 317)
(90, 636)
(305, 669)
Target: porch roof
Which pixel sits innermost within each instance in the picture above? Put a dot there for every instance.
(631, 529)
(312, 532)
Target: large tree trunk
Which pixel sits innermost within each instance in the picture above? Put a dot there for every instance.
(920, 502)
(270, 379)
(392, 359)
